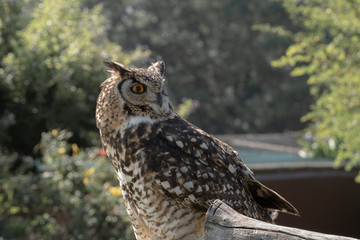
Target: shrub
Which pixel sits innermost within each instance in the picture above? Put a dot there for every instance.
(51, 76)
(70, 193)
(327, 50)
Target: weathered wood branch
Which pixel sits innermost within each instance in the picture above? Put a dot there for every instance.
(223, 222)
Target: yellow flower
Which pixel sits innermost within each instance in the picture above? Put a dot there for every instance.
(75, 148)
(89, 172)
(115, 191)
(61, 150)
(87, 175)
(54, 132)
(86, 180)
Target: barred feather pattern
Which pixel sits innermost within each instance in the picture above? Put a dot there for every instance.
(169, 170)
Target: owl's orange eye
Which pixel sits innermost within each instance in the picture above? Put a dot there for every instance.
(138, 88)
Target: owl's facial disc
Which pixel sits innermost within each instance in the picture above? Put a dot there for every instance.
(137, 91)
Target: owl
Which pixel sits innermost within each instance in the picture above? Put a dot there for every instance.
(169, 170)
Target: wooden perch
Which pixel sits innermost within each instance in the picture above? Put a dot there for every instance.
(223, 222)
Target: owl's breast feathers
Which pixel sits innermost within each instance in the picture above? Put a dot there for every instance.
(195, 168)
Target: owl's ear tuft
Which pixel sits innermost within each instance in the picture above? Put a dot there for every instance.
(159, 67)
(116, 67)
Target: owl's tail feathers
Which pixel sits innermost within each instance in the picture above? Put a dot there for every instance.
(269, 199)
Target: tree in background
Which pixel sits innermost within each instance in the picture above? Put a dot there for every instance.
(51, 68)
(51, 74)
(327, 51)
(215, 57)
(12, 19)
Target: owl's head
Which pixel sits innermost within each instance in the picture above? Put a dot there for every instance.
(132, 93)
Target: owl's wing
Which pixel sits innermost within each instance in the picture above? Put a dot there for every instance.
(195, 168)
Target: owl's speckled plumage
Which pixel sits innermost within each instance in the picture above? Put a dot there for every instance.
(169, 170)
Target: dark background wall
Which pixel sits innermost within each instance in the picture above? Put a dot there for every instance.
(328, 200)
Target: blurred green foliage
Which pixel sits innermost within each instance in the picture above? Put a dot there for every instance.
(51, 66)
(51, 55)
(52, 70)
(214, 56)
(186, 108)
(70, 193)
(327, 51)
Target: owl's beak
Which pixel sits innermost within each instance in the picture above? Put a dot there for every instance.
(159, 99)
